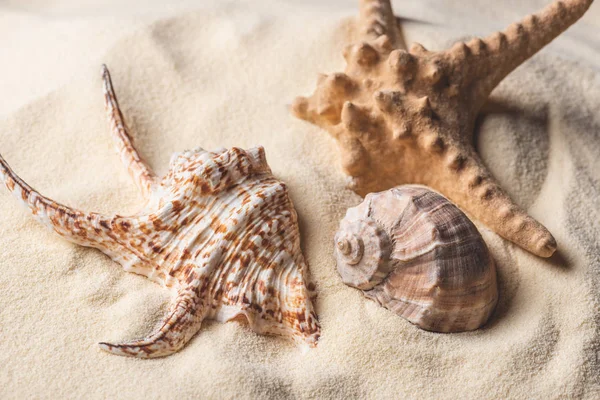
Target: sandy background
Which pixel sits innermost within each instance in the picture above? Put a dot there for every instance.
(220, 74)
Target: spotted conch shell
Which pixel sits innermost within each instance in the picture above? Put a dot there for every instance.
(417, 254)
(218, 229)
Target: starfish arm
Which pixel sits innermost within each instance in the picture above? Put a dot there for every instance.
(465, 180)
(87, 229)
(376, 19)
(486, 62)
(182, 322)
(141, 173)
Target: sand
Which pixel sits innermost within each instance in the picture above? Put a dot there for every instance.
(221, 74)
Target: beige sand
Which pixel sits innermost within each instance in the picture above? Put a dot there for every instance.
(223, 76)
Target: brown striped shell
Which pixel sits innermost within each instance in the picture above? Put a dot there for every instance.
(406, 115)
(417, 254)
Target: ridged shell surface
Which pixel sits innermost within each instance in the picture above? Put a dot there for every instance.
(417, 254)
(218, 229)
(406, 115)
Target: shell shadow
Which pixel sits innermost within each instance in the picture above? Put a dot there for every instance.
(403, 44)
(559, 261)
(508, 281)
(522, 174)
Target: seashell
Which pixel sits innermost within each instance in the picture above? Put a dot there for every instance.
(404, 116)
(415, 253)
(218, 230)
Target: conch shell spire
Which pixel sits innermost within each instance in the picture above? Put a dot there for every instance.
(73, 224)
(404, 117)
(182, 322)
(139, 171)
(70, 223)
(218, 229)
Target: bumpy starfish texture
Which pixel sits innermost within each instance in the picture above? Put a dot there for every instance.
(218, 230)
(408, 116)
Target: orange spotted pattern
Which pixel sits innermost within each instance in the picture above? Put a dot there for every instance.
(218, 229)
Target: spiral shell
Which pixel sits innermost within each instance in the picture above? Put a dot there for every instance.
(417, 254)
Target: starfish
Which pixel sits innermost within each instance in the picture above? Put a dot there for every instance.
(408, 116)
(218, 229)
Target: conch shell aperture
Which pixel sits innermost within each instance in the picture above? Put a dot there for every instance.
(218, 229)
(403, 116)
(417, 254)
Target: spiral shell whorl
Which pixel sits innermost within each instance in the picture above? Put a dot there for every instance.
(351, 249)
(415, 253)
(362, 250)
